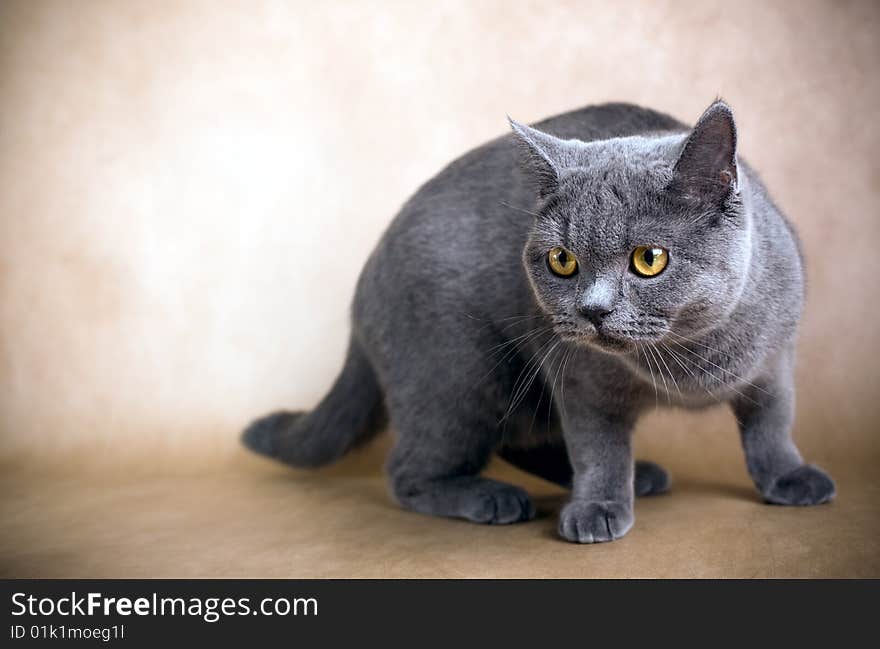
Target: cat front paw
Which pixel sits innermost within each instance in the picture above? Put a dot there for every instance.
(806, 485)
(594, 522)
(650, 479)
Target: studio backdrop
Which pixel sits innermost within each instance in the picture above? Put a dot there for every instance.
(188, 191)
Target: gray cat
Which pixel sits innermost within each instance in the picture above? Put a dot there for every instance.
(543, 291)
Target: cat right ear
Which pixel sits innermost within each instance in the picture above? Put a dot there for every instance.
(707, 169)
(544, 156)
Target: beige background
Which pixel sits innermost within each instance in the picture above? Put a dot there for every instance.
(174, 177)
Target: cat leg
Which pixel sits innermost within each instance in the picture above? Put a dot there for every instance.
(601, 505)
(765, 413)
(551, 463)
(435, 462)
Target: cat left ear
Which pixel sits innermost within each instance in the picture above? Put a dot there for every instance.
(544, 156)
(706, 169)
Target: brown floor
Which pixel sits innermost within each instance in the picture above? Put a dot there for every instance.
(159, 284)
(256, 519)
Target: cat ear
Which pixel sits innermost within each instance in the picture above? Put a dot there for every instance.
(544, 156)
(706, 169)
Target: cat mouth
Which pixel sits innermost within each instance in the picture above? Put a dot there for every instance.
(604, 340)
(609, 342)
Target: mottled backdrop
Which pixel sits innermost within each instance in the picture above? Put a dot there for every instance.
(188, 191)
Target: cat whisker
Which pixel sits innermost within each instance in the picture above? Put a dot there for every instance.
(698, 343)
(519, 317)
(699, 218)
(565, 354)
(520, 209)
(516, 324)
(675, 356)
(678, 358)
(717, 351)
(540, 398)
(726, 371)
(516, 320)
(510, 353)
(493, 350)
(524, 385)
(573, 351)
(711, 375)
(671, 375)
(556, 353)
(525, 371)
(519, 344)
(651, 370)
(659, 371)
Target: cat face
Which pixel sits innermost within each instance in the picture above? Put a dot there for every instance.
(637, 238)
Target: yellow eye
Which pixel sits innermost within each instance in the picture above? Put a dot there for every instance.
(649, 261)
(562, 262)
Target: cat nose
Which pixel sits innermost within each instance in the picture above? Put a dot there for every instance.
(595, 313)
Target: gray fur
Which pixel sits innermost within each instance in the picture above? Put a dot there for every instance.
(463, 336)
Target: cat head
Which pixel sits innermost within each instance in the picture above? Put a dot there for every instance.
(636, 237)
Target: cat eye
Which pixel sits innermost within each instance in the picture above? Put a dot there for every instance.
(562, 262)
(648, 261)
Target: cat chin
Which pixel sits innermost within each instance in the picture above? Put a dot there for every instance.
(613, 345)
(602, 342)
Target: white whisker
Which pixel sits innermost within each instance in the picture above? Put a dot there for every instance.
(660, 372)
(671, 376)
(565, 355)
(710, 374)
(521, 386)
(574, 351)
(653, 380)
(706, 360)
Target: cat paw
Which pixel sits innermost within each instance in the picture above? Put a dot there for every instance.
(650, 479)
(496, 503)
(477, 499)
(594, 522)
(806, 485)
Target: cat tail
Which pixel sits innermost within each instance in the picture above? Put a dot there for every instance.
(352, 413)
